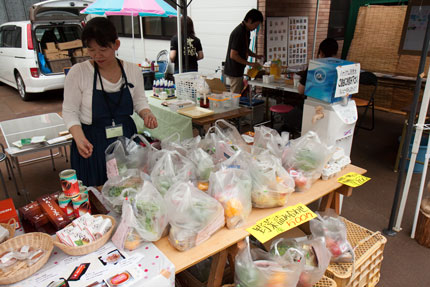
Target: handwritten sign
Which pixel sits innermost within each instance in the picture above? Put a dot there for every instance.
(281, 221)
(348, 80)
(353, 179)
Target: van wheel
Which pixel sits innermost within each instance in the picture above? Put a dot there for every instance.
(21, 87)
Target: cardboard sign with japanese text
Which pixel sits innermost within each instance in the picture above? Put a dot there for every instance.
(281, 221)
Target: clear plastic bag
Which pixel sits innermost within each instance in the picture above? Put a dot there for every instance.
(271, 182)
(150, 213)
(203, 162)
(193, 215)
(171, 168)
(140, 155)
(312, 253)
(126, 236)
(173, 142)
(269, 139)
(232, 188)
(116, 160)
(230, 134)
(257, 268)
(117, 188)
(333, 230)
(307, 155)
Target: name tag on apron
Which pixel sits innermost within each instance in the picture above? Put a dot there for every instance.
(114, 131)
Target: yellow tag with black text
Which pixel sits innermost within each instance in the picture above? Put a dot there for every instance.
(353, 179)
(281, 221)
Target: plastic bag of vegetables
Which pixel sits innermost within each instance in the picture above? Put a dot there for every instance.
(257, 268)
(193, 215)
(307, 155)
(269, 139)
(311, 253)
(150, 213)
(333, 230)
(271, 182)
(117, 188)
(203, 162)
(171, 168)
(232, 188)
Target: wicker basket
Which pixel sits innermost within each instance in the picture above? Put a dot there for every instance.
(325, 282)
(36, 240)
(369, 248)
(88, 248)
(9, 227)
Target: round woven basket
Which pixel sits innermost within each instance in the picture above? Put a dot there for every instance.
(9, 228)
(87, 248)
(20, 270)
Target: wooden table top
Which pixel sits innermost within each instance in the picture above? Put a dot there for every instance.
(236, 113)
(225, 238)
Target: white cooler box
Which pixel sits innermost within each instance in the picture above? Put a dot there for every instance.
(337, 125)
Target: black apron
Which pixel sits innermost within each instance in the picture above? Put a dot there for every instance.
(107, 108)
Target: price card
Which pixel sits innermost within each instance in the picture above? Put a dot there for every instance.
(353, 179)
(281, 221)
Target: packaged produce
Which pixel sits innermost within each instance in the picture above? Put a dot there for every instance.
(203, 163)
(306, 154)
(269, 139)
(193, 215)
(171, 168)
(312, 253)
(232, 188)
(257, 268)
(150, 213)
(117, 188)
(333, 230)
(271, 182)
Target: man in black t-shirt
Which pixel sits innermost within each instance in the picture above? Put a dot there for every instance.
(193, 50)
(238, 50)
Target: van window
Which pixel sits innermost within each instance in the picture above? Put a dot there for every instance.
(57, 34)
(11, 37)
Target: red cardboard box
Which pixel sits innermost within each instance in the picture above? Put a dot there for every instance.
(8, 211)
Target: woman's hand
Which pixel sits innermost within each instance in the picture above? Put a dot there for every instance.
(85, 148)
(148, 118)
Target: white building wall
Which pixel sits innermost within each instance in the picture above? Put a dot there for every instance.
(213, 23)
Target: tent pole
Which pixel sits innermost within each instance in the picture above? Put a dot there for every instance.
(141, 38)
(315, 29)
(185, 38)
(132, 33)
(390, 231)
(178, 23)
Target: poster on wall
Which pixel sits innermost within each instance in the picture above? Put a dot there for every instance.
(277, 39)
(297, 40)
(414, 27)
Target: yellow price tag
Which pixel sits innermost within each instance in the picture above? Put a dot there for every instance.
(281, 221)
(353, 179)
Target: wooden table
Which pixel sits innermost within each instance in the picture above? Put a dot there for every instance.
(223, 243)
(228, 115)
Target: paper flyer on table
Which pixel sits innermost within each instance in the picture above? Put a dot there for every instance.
(106, 267)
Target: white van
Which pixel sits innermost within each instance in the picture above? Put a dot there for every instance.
(21, 43)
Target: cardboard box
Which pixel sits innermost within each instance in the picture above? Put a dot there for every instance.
(85, 52)
(70, 45)
(216, 86)
(49, 51)
(322, 78)
(8, 211)
(51, 46)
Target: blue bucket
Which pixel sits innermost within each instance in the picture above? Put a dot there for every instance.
(419, 163)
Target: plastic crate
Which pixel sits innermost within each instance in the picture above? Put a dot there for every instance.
(325, 282)
(186, 85)
(57, 66)
(369, 248)
(80, 59)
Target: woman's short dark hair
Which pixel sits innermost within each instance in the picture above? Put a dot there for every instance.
(328, 47)
(190, 26)
(254, 15)
(101, 30)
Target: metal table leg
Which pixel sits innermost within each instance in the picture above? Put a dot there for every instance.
(27, 195)
(12, 175)
(52, 159)
(65, 153)
(4, 184)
